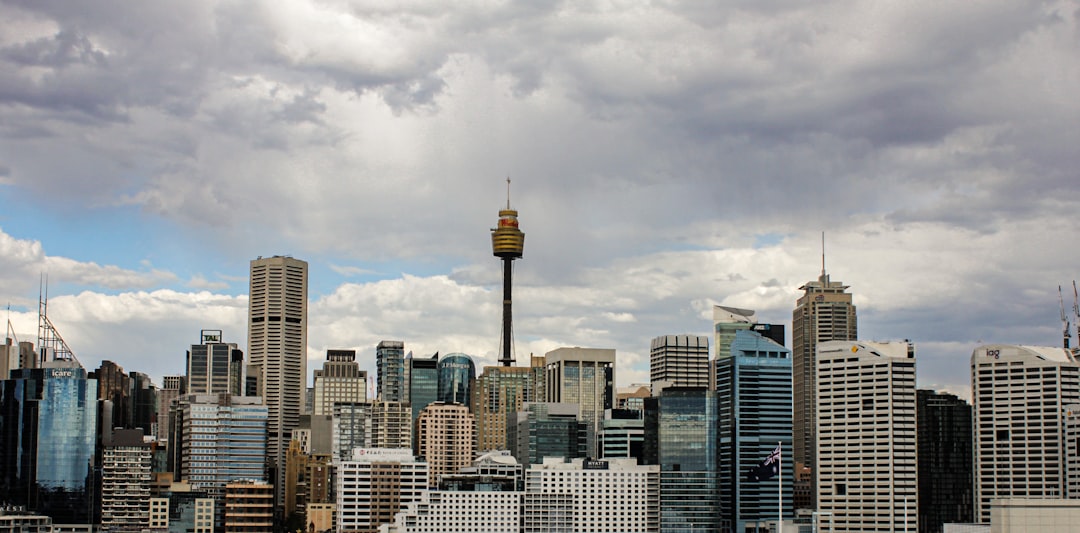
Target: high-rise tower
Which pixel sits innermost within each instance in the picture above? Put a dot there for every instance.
(277, 342)
(507, 243)
(823, 313)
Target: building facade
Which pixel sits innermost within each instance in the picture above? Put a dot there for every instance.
(586, 377)
(390, 371)
(608, 496)
(125, 482)
(500, 391)
(213, 365)
(753, 389)
(866, 440)
(681, 360)
(339, 380)
(371, 425)
(446, 434)
(946, 475)
(1020, 394)
(457, 373)
(544, 429)
(823, 313)
(376, 484)
(277, 345)
(423, 383)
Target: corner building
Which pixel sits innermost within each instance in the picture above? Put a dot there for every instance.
(1020, 394)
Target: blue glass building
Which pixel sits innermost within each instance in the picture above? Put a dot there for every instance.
(423, 383)
(457, 372)
(680, 436)
(48, 432)
(754, 395)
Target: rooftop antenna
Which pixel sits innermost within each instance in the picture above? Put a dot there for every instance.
(508, 192)
(823, 254)
(49, 340)
(1064, 320)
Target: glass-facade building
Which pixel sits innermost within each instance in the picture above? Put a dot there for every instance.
(48, 427)
(213, 366)
(390, 370)
(457, 373)
(546, 430)
(680, 436)
(423, 383)
(945, 470)
(753, 388)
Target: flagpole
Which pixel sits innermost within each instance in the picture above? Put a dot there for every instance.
(780, 489)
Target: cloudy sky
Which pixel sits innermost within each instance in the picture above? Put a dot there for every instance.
(665, 157)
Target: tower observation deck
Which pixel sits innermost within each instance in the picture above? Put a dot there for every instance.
(507, 243)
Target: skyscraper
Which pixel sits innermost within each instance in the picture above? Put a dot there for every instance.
(277, 342)
(171, 389)
(754, 402)
(681, 360)
(390, 370)
(823, 313)
(946, 494)
(211, 366)
(727, 321)
(1020, 394)
(583, 376)
(423, 384)
(546, 430)
(866, 442)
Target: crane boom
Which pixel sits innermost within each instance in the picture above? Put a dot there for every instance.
(1064, 320)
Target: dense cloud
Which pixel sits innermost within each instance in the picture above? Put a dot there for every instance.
(665, 157)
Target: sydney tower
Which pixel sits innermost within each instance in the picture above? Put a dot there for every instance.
(507, 242)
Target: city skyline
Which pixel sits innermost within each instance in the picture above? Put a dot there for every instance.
(663, 159)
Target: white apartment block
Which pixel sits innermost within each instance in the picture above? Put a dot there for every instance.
(375, 485)
(866, 439)
(1019, 397)
(460, 512)
(589, 496)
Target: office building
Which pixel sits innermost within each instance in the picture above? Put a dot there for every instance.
(213, 366)
(125, 482)
(423, 383)
(866, 440)
(374, 485)
(277, 342)
(633, 396)
(946, 493)
(586, 377)
(544, 429)
(47, 443)
(753, 389)
(371, 425)
(500, 391)
(681, 437)
(390, 370)
(18, 521)
(823, 313)
(249, 507)
(612, 496)
(623, 434)
(1020, 394)
(457, 372)
(171, 389)
(339, 380)
(680, 360)
(219, 439)
(446, 434)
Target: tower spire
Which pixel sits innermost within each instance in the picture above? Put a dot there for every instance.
(823, 254)
(508, 192)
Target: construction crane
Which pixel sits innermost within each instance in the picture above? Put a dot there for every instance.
(1076, 312)
(1064, 319)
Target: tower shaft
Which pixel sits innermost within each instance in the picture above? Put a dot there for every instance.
(507, 358)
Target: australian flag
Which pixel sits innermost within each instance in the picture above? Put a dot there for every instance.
(767, 469)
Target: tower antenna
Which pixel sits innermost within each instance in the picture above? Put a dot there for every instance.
(823, 254)
(508, 192)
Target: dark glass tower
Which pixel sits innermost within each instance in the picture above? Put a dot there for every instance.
(680, 436)
(946, 491)
(457, 373)
(390, 371)
(423, 383)
(753, 388)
